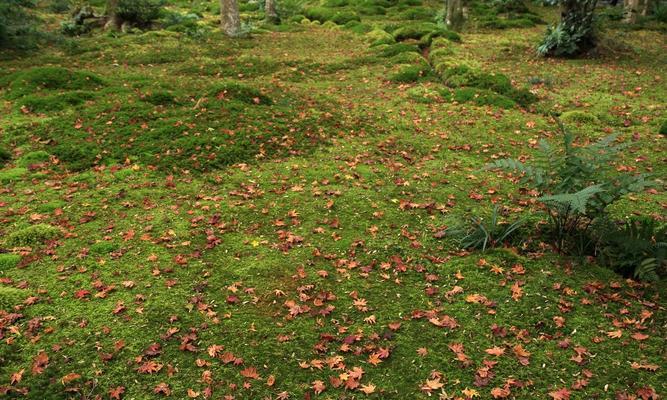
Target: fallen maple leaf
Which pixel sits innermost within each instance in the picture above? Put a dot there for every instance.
(318, 386)
(560, 394)
(368, 389)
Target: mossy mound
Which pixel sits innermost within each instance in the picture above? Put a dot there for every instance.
(423, 94)
(77, 156)
(578, 117)
(55, 102)
(358, 28)
(32, 235)
(33, 158)
(397, 48)
(12, 175)
(409, 58)
(378, 37)
(10, 297)
(322, 15)
(239, 92)
(39, 79)
(370, 10)
(414, 31)
(409, 73)
(417, 13)
(9, 261)
(663, 128)
(465, 76)
(101, 248)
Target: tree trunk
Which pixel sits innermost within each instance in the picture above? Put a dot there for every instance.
(646, 8)
(631, 10)
(270, 12)
(113, 20)
(454, 17)
(230, 22)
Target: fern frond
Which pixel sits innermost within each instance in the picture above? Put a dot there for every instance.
(574, 201)
(538, 175)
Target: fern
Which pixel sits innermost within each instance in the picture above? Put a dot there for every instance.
(575, 202)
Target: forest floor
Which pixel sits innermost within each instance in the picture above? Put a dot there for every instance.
(260, 218)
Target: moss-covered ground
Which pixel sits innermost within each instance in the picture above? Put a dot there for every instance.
(258, 218)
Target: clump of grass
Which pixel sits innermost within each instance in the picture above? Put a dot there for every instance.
(33, 235)
(38, 79)
(240, 92)
(8, 261)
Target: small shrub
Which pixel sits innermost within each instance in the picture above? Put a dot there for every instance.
(32, 158)
(481, 233)
(32, 235)
(636, 248)
(409, 73)
(9, 261)
(10, 297)
(576, 185)
(239, 92)
(139, 12)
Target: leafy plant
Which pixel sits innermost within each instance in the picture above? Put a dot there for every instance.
(481, 233)
(574, 33)
(576, 183)
(637, 248)
(139, 12)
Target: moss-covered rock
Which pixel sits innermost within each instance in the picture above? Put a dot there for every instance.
(414, 30)
(56, 102)
(10, 297)
(481, 97)
(32, 235)
(12, 175)
(423, 94)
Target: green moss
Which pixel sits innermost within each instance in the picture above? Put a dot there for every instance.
(481, 97)
(239, 92)
(414, 31)
(663, 128)
(370, 10)
(77, 156)
(322, 15)
(578, 117)
(409, 73)
(160, 97)
(39, 79)
(32, 158)
(423, 94)
(56, 102)
(101, 248)
(378, 37)
(417, 13)
(409, 58)
(32, 235)
(12, 175)
(8, 261)
(10, 297)
(397, 48)
(336, 3)
(358, 27)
